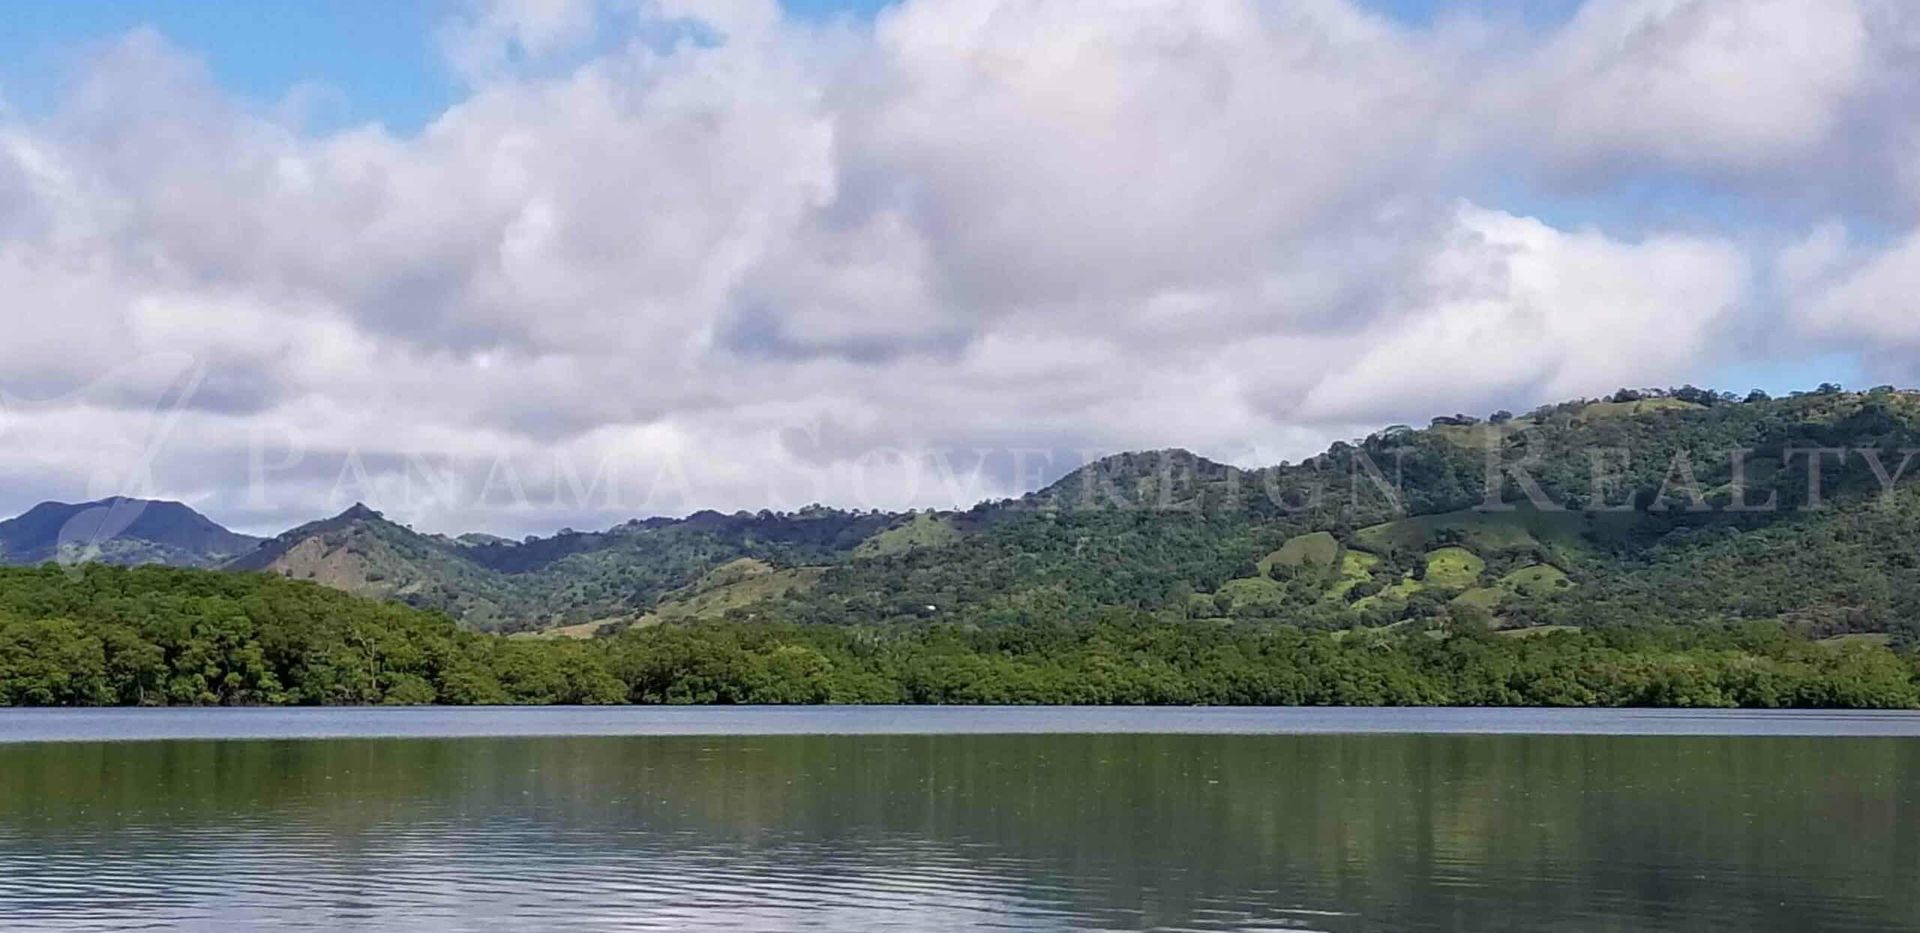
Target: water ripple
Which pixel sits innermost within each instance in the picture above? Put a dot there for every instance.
(883, 833)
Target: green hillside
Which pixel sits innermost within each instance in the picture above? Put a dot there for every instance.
(570, 580)
(1669, 533)
(1631, 509)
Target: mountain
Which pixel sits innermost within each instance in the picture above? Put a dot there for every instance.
(119, 531)
(1170, 480)
(1653, 505)
(618, 575)
(363, 553)
(1646, 506)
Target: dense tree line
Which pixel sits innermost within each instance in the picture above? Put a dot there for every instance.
(152, 636)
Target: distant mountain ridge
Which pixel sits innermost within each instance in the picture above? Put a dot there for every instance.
(1392, 529)
(617, 575)
(119, 530)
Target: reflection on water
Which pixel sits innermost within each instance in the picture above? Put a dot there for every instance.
(890, 832)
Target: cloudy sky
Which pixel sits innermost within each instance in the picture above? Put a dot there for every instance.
(516, 264)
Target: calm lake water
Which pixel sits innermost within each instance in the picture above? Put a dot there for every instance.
(890, 819)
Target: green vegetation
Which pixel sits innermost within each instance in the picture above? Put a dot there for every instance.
(1356, 568)
(1318, 548)
(1536, 581)
(1629, 408)
(572, 579)
(1387, 530)
(1453, 568)
(154, 636)
(1388, 533)
(735, 586)
(922, 530)
(1483, 599)
(1394, 529)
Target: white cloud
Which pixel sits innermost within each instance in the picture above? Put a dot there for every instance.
(1862, 297)
(756, 251)
(1699, 83)
(491, 35)
(1508, 307)
(1061, 154)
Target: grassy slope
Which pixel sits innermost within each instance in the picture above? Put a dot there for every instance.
(923, 530)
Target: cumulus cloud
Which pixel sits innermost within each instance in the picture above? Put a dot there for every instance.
(1700, 83)
(490, 36)
(1509, 307)
(1847, 294)
(684, 255)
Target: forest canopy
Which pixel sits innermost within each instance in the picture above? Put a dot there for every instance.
(97, 636)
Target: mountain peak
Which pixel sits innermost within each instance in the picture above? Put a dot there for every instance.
(360, 512)
(1144, 477)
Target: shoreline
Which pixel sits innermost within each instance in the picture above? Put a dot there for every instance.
(121, 724)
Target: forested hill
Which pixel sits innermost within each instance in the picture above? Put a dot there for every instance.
(613, 576)
(1646, 507)
(1649, 506)
(1654, 548)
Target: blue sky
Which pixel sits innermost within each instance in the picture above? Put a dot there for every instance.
(376, 57)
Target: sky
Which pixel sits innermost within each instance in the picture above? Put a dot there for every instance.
(513, 265)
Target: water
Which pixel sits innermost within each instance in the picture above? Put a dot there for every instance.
(850, 820)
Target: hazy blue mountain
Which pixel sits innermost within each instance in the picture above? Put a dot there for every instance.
(119, 531)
